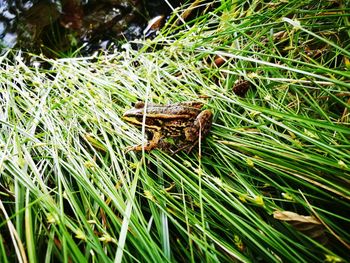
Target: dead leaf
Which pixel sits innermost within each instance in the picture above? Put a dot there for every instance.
(291, 216)
(241, 87)
(308, 225)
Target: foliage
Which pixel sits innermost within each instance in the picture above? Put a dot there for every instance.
(70, 192)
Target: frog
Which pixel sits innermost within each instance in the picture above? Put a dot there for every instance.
(172, 127)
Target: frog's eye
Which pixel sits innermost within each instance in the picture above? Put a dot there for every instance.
(139, 105)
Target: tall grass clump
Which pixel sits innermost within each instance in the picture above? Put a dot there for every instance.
(270, 183)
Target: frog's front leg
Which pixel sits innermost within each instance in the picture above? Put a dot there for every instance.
(150, 144)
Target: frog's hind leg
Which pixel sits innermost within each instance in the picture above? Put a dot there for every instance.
(200, 128)
(203, 122)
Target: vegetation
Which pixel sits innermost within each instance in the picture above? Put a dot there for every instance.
(270, 183)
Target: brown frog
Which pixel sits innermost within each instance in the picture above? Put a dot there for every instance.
(172, 127)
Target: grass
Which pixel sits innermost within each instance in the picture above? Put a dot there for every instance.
(71, 193)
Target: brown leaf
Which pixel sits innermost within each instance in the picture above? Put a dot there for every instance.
(308, 225)
(155, 24)
(219, 61)
(241, 87)
(291, 216)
